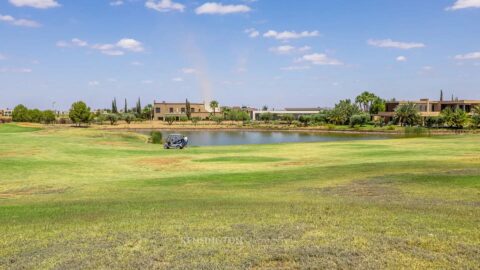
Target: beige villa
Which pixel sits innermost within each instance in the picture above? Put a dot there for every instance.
(428, 107)
(163, 109)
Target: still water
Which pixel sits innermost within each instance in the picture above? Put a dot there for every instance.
(208, 138)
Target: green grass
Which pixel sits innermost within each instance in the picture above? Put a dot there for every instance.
(12, 128)
(85, 198)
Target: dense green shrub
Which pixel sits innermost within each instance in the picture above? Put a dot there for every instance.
(156, 137)
(128, 117)
(183, 118)
(170, 119)
(359, 119)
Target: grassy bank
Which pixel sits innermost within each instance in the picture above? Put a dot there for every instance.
(86, 198)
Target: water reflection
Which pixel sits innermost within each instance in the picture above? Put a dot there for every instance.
(205, 138)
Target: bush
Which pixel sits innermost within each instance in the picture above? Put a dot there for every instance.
(195, 120)
(359, 119)
(183, 118)
(156, 137)
(217, 119)
(320, 118)
(129, 117)
(266, 117)
(288, 118)
(170, 119)
(475, 120)
(112, 118)
(48, 117)
(305, 119)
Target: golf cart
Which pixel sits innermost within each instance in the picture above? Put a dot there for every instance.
(175, 141)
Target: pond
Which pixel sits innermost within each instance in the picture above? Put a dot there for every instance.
(209, 138)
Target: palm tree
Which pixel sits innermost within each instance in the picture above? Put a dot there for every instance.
(214, 105)
(476, 110)
(365, 100)
(407, 114)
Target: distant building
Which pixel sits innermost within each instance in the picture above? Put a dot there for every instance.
(6, 112)
(163, 109)
(428, 107)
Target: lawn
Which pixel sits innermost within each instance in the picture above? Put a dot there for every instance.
(86, 198)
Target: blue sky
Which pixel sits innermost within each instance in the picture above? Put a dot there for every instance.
(241, 52)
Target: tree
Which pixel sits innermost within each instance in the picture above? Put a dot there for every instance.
(48, 117)
(265, 108)
(188, 109)
(476, 120)
(80, 113)
(35, 115)
(407, 114)
(342, 112)
(114, 106)
(125, 109)
(170, 119)
(305, 119)
(447, 115)
(288, 118)
(365, 100)
(217, 119)
(129, 117)
(378, 105)
(112, 118)
(459, 118)
(214, 106)
(195, 120)
(147, 112)
(266, 117)
(138, 108)
(20, 114)
(359, 119)
(476, 110)
(441, 95)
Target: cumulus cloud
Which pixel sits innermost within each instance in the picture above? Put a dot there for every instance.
(388, 43)
(320, 59)
(164, 5)
(286, 35)
(130, 44)
(288, 49)
(252, 32)
(468, 56)
(401, 59)
(218, 8)
(117, 49)
(461, 4)
(42, 4)
(18, 22)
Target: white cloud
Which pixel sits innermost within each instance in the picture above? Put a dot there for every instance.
(93, 83)
(117, 49)
(164, 5)
(43, 4)
(286, 35)
(116, 3)
(461, 4)
(130, 44)
(285, 49)
(288, 49)
(320, 59)
(252, 32)
(189, 70)
(18, 22)
(401, 59)
(218, 8)
(468, 56)
(177, 79)
(388, 43)
(295, 68)
(16, 70)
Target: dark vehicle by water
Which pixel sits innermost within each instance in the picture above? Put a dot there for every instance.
(175, 141)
